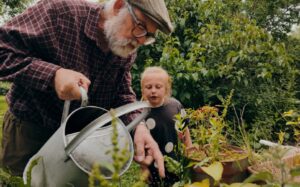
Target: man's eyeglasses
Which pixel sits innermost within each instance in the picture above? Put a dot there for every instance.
(139, 29)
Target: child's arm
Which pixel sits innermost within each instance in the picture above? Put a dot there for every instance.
(187, 138)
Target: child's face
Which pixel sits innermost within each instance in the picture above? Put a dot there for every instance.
(154, 87)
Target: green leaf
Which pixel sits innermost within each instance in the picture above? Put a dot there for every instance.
(203, 162)
(295, 172)
(214, 170)
(261, 176)
(195, 76)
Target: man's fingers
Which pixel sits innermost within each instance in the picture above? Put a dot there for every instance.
(140, 152)
(153, 153)
(148, 160)
(84, 82)
(141, 137)
(67, 82)
(144, 141)
(159, 161)
(148, 157)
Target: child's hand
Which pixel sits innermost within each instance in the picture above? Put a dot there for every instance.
(181, 135)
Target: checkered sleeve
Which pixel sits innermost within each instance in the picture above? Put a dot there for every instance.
(20, 46)
(127, 95)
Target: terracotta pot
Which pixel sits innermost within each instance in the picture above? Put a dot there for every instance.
(235, 169)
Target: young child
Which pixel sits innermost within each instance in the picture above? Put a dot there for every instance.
(156, 89)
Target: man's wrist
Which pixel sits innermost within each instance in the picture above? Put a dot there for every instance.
(142, 127)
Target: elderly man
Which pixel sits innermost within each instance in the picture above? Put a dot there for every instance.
(54, 47)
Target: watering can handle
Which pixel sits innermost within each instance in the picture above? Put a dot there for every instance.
(84, 102)
(108, 117)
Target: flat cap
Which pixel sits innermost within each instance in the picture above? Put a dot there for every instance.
(157, 11)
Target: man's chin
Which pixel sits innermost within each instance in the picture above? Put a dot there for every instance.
(123, 52)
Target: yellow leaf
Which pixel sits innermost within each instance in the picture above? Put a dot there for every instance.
(204, 183)
(292, 123)
(243, 185)
(289, 113)
(214, 170)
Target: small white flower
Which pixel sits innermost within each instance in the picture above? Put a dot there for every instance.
(182, 113)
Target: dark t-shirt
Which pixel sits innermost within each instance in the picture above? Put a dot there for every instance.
(161, 123)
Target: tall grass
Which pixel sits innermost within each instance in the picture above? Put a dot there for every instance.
(6, 179)
(3, 108)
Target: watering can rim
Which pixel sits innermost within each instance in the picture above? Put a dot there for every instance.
(107, 117)
(104, 119)
(77, 162)
(99, 122)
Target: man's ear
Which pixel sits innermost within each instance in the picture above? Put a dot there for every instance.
(118, 5)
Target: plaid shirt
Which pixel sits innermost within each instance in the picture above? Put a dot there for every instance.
(54, 34)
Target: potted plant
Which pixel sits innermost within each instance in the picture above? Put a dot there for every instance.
(212, 159)
(212, 156)
(278, 167)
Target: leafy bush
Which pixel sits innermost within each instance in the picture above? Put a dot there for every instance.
(216, 48)
(4, 87)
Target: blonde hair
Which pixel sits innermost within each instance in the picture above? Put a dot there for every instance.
(160, 70)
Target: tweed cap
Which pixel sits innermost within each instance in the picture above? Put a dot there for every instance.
(157, 11)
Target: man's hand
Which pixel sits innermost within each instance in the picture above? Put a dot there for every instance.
(147, 149)
(67, 82)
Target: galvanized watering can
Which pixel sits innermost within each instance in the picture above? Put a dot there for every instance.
(83, 138)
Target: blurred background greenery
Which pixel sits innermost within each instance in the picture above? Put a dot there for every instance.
(217, 46)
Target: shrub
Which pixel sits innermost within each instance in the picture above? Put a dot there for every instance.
(4, 87)
(216, 48)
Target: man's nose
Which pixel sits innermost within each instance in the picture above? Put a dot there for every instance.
(141, 40)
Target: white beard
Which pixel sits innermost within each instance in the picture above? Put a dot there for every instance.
(121, 47)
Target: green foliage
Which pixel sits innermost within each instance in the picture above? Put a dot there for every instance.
(293, 119)
(293, 46)
(208, 129)
(6, 179)
(10, 8)
(276, 16)
(133, 176)
(172, 165)
(120, 157)
(278, 169)
(216, 48)
(181, 165)
(4, 87)
(242, 139)
(3, 108)
(10, 181)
